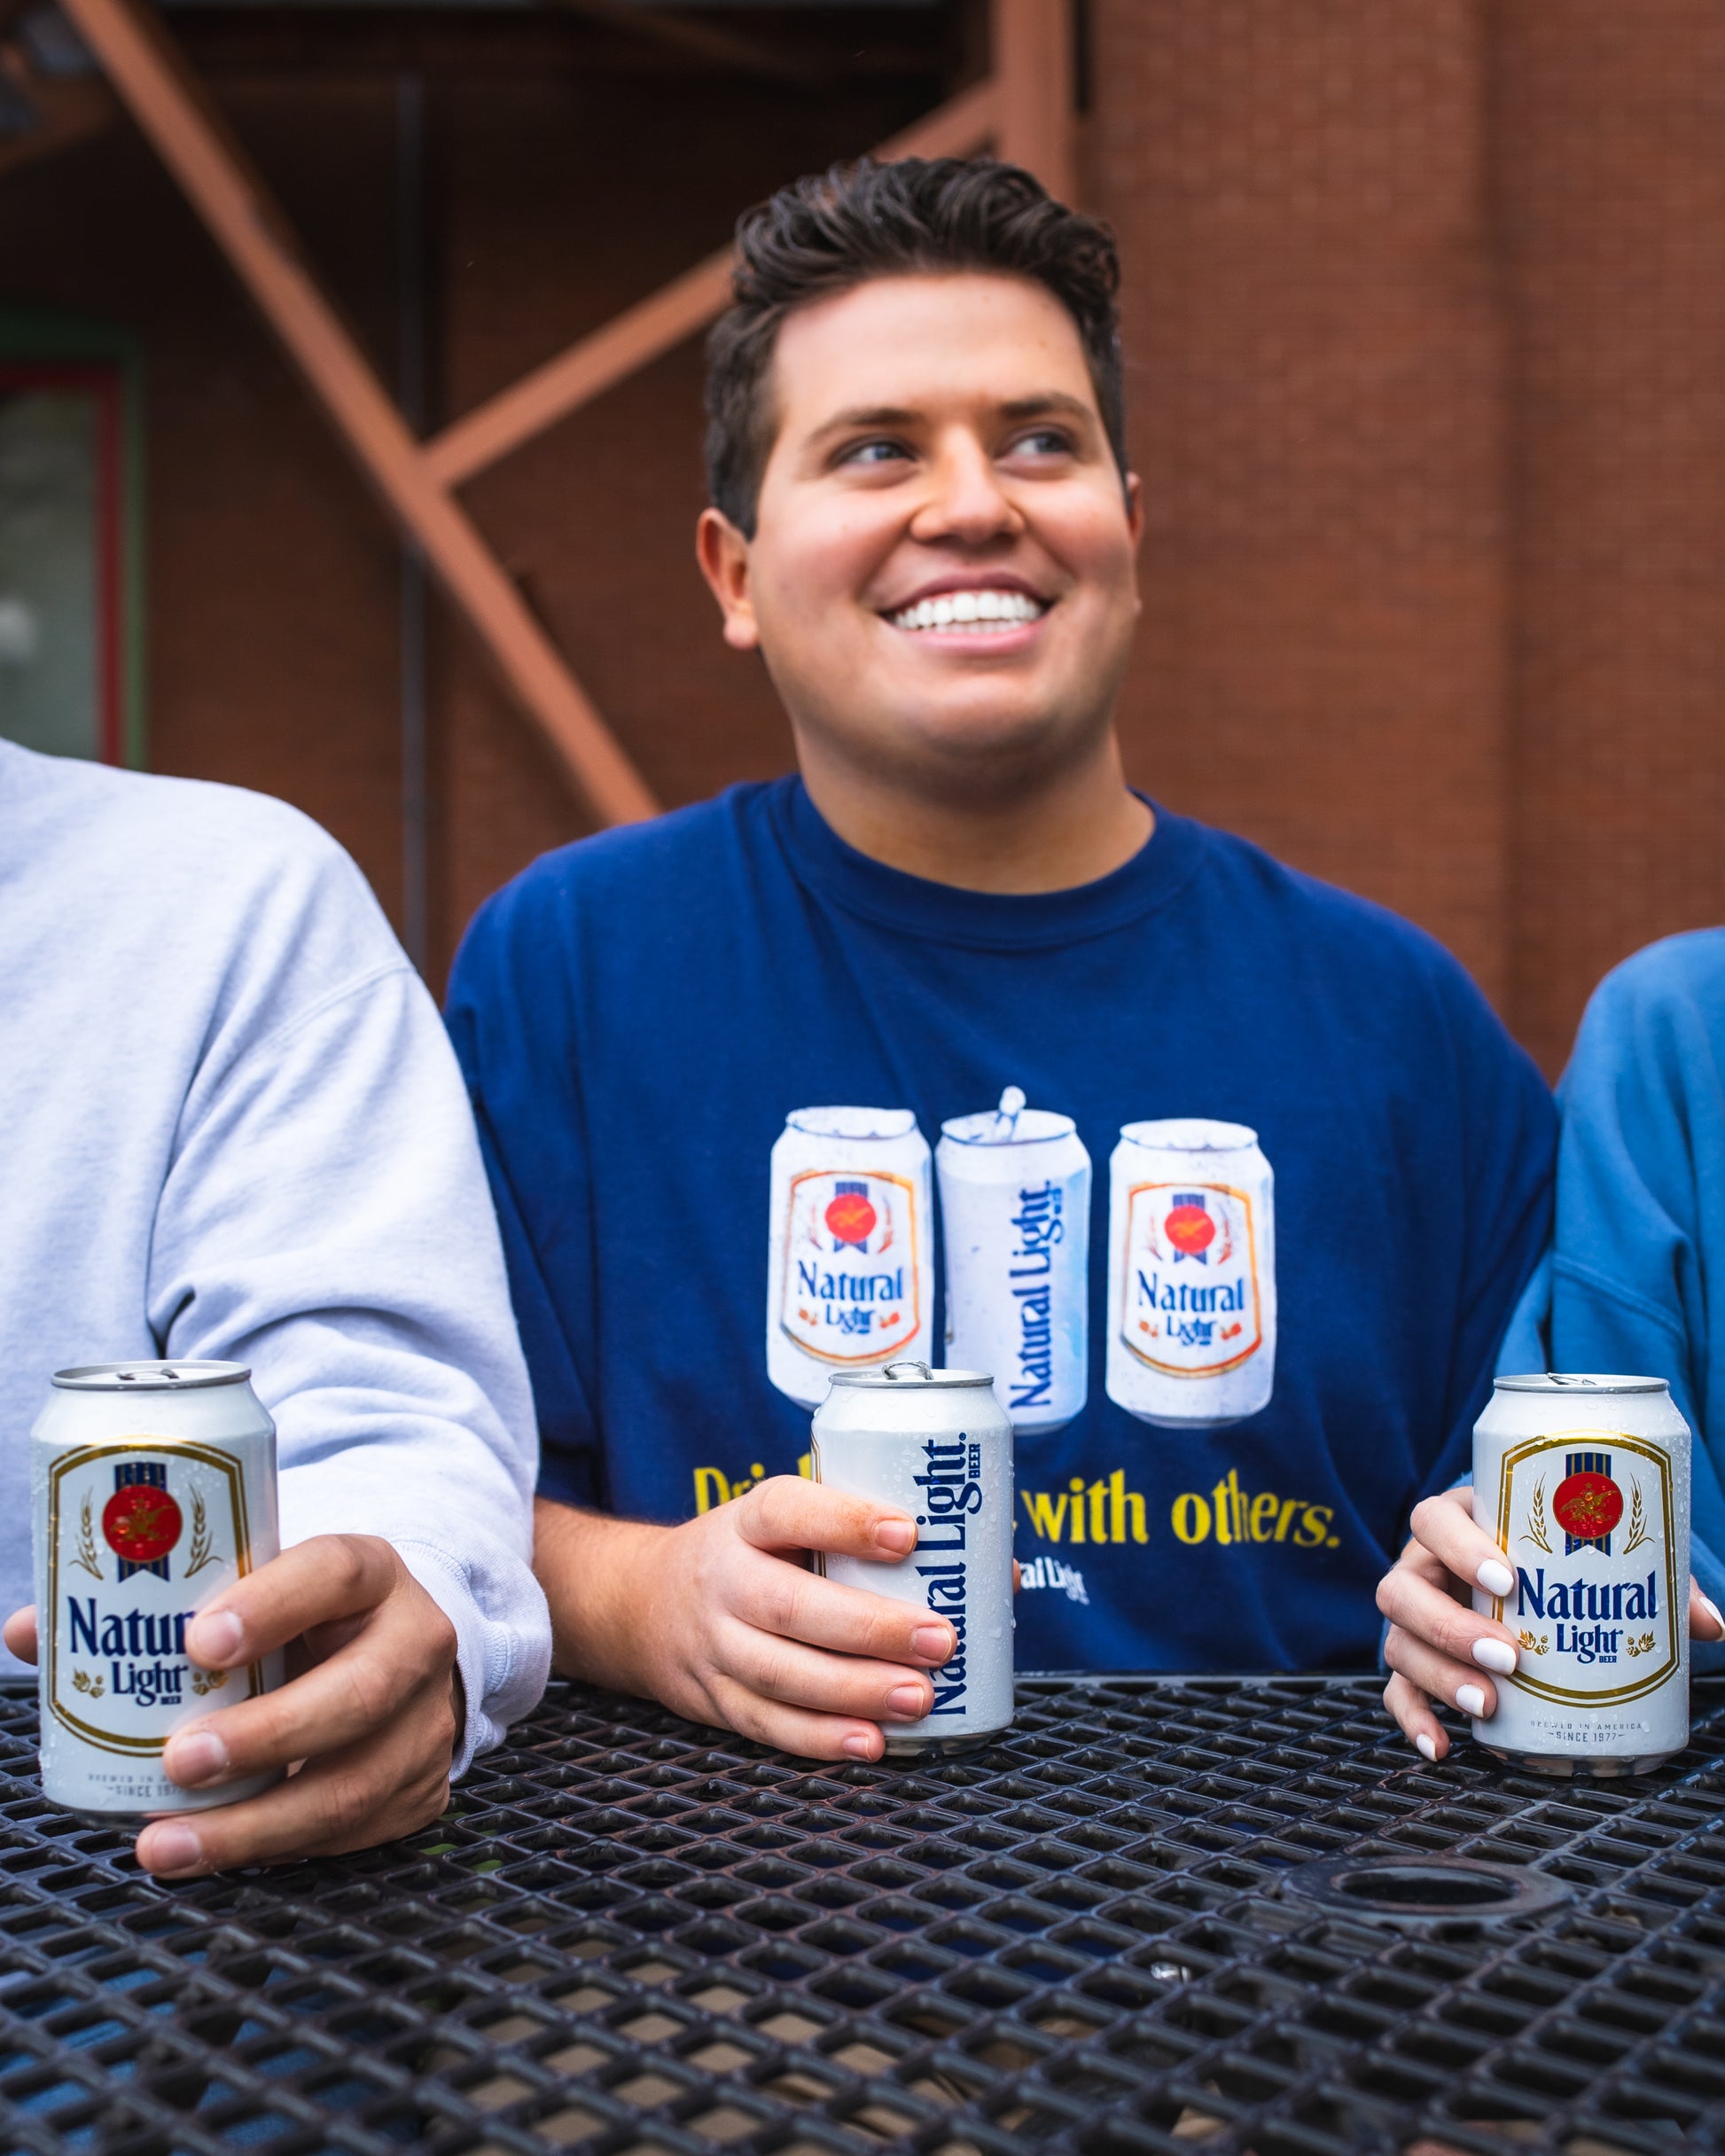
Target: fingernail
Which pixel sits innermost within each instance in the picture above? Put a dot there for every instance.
(899, 1535)
(858, 1746)
(1426, 1747)
(931, 1643)
(174, 1848)
(907, 1703)
(199, 1756)
(1495, 1654)
(1470, 1700)
(1712, 1608)
(219, 1636)
(1494, 1577)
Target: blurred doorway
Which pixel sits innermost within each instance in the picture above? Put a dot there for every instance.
(68, 598)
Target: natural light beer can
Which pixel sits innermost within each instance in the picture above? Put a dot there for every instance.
(1015, 1212)
(937, 1443)
(1583, 1484)
(153, 1487)
(850, 1278)
(1191, 1274)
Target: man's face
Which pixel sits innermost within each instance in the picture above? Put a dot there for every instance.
(941, 579)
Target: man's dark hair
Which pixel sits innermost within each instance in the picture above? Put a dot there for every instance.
(835, 230)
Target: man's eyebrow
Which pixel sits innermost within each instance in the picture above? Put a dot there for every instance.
(1030, 407)
(870, 415)
(1047, 399)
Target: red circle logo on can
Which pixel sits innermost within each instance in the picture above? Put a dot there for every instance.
(141, 1523)
(1587, 1506)
(1190, 1229)
(850, 1217)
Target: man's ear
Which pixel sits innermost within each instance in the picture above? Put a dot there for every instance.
(1135, 509)
(723, 554)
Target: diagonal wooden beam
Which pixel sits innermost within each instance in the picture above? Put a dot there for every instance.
(641, 333)
(1033, 66)
(191, 141)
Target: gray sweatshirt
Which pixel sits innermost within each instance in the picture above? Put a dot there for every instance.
(234, 1128)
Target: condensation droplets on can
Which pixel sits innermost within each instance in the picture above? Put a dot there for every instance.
(1584, 1482)
(1192, 1273)
(1015, 1210)
(850, 1266)
(153, 1488)
(936, 1444)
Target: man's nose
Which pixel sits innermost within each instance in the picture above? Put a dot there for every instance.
(965, 500)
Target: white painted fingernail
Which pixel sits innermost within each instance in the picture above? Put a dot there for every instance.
(1496, 1578)
(1495, 1654)
(1425, 1747)
(1470, 1700)
(1712, 1608)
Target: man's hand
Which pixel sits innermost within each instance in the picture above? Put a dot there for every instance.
(1437, 1646)
(720, 1618)
(372, 1712)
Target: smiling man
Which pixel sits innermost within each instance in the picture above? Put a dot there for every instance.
(922, 521)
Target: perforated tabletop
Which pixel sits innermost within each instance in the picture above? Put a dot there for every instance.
(629, 1934)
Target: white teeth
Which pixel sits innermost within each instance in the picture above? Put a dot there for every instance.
(981, 612)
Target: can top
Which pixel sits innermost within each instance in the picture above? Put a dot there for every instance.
(1028, 1126)
(852, 1122)
(1190, 1134)
(149, 1377)
(1562, 1381)
(910, 1375)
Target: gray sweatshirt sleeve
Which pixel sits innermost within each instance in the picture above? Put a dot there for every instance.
(325, 1219)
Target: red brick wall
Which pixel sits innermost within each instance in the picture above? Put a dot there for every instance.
(1609, 123)
(1316, 396)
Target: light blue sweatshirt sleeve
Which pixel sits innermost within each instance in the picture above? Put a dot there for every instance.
(1635, 1279)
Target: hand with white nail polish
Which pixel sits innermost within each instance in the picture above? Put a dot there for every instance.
(723, 1618)
(366, 1723)
(1437, 1644)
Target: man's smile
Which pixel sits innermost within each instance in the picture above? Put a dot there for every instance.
(982, 611)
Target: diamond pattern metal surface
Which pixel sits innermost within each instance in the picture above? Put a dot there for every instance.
(629, 1935)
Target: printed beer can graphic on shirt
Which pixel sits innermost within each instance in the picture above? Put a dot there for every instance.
(1191, 1339)
(850, 1267)
(1015, 1212)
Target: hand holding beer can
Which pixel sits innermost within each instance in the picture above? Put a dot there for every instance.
(1584, 1482)
(936, 1443)
(153, 1487)
(1015, 1205)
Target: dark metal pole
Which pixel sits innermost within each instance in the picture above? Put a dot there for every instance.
(410, 288)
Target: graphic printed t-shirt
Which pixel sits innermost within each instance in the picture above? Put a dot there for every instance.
(639, 1014)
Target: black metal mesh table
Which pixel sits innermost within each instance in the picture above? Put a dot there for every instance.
(632, 1935)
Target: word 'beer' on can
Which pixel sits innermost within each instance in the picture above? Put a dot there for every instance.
(850, 1268)
(1015, 1205)
(153, 1487)
(936, 1443)
(1584, 1483)
(1191, 1274)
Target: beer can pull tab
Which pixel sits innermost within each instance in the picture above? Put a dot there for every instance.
(1006, 1116)
(899, 1370)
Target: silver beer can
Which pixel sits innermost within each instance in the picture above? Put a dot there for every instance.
(1015, 1210)
(1191, 1274)
(153, 1487)
(1584, 1483)
(937, 1444)
(850, 1263)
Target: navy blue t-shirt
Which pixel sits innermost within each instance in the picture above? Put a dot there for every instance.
(638, 1013)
